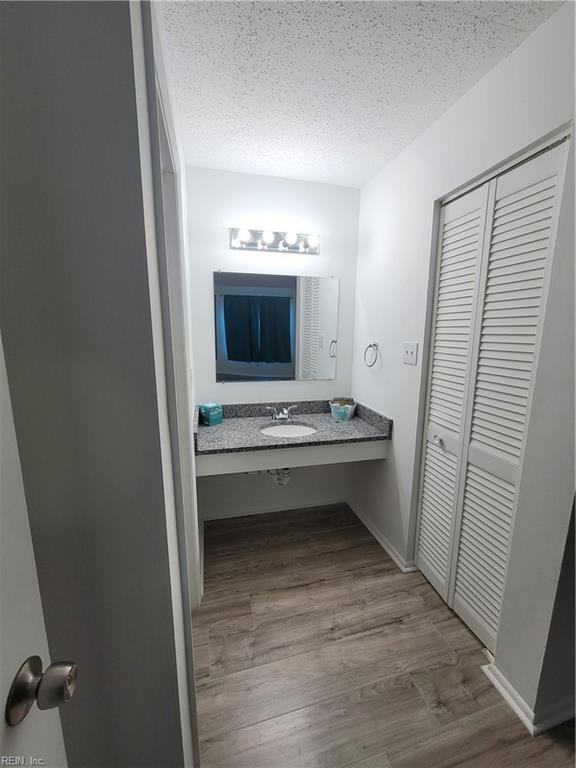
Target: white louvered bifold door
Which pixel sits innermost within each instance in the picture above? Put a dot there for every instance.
(309, 327)
(459, 250)
(521, 221)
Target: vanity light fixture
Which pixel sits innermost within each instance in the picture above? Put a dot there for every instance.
(267, 240)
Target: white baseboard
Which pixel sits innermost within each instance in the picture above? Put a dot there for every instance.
(536, 723)
(406, 566)
(554, 715)
(510, 696)
(227, 512)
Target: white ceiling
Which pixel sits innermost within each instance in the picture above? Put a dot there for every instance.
(327, 91)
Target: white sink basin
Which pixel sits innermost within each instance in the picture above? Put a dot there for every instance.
(288, 430)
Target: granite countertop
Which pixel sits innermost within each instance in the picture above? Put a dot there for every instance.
(243, 433)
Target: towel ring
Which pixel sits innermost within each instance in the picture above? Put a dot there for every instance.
(374, 347)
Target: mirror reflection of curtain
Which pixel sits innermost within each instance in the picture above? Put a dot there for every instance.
(258, 328)
(275, 329)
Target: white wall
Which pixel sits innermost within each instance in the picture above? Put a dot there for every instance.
(218, 200)
(181, 214)
(526, 96)
(161, 224)
(546, 490)
(513, 106)
(22, 631)
(235, 495)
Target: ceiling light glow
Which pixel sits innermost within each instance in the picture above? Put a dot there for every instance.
(274, 241)
(313, 241)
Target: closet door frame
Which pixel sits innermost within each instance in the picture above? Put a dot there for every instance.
(489, 178)
(548, 141)
(515, 473)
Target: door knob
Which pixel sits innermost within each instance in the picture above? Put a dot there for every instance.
(57, 684)
(51, 689)
(437, 440)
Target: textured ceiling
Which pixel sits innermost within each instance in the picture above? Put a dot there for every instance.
(327, 91)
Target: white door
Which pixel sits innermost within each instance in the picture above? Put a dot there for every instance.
(459, 258)
(494, 255)
(308, 327)
(524, 205)
(22, 633)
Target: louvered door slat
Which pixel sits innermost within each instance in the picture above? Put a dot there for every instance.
(539, 191)
(494, 252)
(483, 550)
(459, 251)
(310, 327)
(515, 271)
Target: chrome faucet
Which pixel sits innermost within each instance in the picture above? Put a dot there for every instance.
(283, 414)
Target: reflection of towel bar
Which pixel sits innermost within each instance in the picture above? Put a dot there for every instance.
(374, 347)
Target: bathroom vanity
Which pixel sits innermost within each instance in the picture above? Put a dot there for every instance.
(248, 440)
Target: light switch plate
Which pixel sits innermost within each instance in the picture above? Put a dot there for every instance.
(410, 353)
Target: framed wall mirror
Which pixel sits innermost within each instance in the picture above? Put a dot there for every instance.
(275, 327)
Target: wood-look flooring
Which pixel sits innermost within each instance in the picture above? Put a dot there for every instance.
(313, 650)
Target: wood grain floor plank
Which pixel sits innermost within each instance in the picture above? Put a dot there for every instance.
(247, 579)
(376, 761)
(325, 735)
(311, 596)
(229, 652)
(282, 638)
(284, 546)
(490, 738)
(455, 691)
(310, 519)
(259, 693)
(273, 639)
(332, 563)
(201, 663)
(456, 634)
(313, 650)
(230, 613)
(251, 532)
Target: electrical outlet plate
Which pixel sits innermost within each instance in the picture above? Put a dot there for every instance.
(410, 353)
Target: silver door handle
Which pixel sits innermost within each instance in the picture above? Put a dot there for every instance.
(332, 350)
(437, 440)
(51, 689)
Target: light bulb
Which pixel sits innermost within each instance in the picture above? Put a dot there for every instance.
(291, 238)
(313, 241)
(268, 236)
(244, 235)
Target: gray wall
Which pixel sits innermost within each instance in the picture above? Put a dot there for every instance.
(557, 678)
(75, 318)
